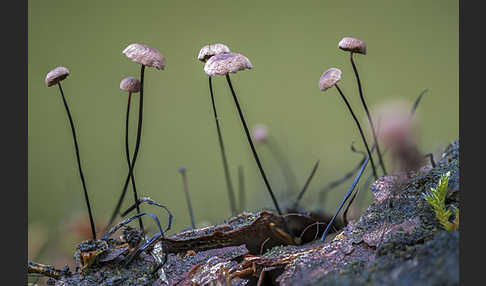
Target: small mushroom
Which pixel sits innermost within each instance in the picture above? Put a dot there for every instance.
(53, 77)
(208, 51)
(355, 45)
(329, 79)
(399, 133)
(224, 64)
(205, 53)
(260, 133)
(56, 75)
(130, 84)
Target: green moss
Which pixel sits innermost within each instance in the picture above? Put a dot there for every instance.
(274, 252)
(436, 198)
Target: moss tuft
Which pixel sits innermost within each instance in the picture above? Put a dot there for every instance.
(436, 198)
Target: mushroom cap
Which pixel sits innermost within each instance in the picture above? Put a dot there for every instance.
(145, 55)
(130, 84)
(210, 50)
(329, 78)
(226, 63)
(353, 45)
(397, 127)
(260, 133)
(56, 75)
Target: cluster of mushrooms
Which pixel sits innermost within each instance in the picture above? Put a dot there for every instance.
(219, 60)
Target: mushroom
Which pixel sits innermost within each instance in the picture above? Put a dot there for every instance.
(208, 51)
(150, 57)
(205, 53)
(260, 133)
(145, 55)
(399, 134)
(224, 64)
(355, 45)
(329, 79)
(54, 77)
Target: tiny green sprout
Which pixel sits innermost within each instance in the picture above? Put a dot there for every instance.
(436, 198)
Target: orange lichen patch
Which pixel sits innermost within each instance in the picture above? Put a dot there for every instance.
(114, 253)
(43, 269)
(280, 233)
(88, 253)
(88, 257)
(339, 236)
(190, 253)
(245, 272)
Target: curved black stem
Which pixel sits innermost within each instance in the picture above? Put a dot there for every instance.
(130, 171)
(416, 103)
(127, 148)
(380, 158)
(345, 213)
(431, 157)
(229, 185)
(79, 163)
(188, 198)
(360, 130)
(248, 136)
(137, 144)
(154, 203)
(346, 196)
(127, 151)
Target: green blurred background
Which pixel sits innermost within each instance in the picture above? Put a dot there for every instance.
(412, 45)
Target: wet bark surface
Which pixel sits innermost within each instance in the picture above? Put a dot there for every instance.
(396, 241)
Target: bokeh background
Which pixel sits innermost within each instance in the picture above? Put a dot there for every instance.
(412, 45)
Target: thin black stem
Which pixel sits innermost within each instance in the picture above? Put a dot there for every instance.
(137, 144)
(360, 130)
(416, 103)
(309, 179)
(188, 198)
(79, 163)
(380, 158)
(127, 151)
(241, 189)
(130, 171)
(431, 157)
(346, 196)
(345, 213)
(248, 136)
(229, 185)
